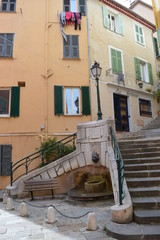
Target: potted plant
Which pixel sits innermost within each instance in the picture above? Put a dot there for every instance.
(140, 84)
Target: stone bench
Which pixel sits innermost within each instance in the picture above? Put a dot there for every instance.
(40, 185)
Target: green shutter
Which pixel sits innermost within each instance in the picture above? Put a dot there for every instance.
(6, 160)
(150, 73)
(85, 101)
(114, 61)
(58, 100)
(105, 17)
(119, 62)
(156, 46)
(137, 68)
(120, 23)
(158, 34)
(15, 101)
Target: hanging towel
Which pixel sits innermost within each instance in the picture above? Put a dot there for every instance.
(63, 18)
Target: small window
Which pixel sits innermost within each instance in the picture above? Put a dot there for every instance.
(6, 44)
(116, 61)
(4, 102)
(71, 6)
(145, 108)
(71, 47)
(72, 101)
(112, 22)
(8, 6)
(143, 71)
(139, 35)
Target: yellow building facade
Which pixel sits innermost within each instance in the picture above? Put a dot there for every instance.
(122, 42)
(44, 87)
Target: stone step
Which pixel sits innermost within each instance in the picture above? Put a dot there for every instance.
(143, 142)
(141, 160)
(139, 149)
(147, 216)
(140, 174)
(139, 167)
(138, 145)
(144, 191)
(141, 155)
(132, 231)
(146, 202)
(143, 182)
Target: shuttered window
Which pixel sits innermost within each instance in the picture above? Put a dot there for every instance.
(145, 108)
(71, 47)
(158, 34)
(8, 6)
(139, 35)
(143, 71)
(112, 21)
(156, 47)
(5, 160)
(76, 100)
(82, 7)
(116, 61)
(6, 44)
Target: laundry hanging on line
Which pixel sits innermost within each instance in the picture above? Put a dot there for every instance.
(69, 18)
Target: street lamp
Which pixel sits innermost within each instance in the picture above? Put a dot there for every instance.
(96, 72)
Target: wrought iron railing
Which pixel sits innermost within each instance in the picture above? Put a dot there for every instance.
(120, 165)
(40, 154)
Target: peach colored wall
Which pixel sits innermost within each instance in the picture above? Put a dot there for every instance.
(38, 52)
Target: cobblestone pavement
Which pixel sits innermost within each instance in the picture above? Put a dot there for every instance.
(15, 227)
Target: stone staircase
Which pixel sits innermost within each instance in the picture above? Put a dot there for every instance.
(154, 124)
(142, 173)
(141, 156)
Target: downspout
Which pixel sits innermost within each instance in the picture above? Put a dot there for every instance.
(46, 64)
(89, 54)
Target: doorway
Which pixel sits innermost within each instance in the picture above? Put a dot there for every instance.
(121, 112)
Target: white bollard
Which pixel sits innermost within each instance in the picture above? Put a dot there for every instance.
(9, 204)
(4, 198)
(51, 218)
(23, 210)
(92, 222)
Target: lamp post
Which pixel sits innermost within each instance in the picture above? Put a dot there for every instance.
(96, 72)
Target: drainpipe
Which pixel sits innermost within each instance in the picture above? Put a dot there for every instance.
(89, 54)
(46, 64)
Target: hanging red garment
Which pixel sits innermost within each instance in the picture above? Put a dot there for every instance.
(68, 17)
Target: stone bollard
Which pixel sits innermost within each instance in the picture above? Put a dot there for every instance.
(4, 198)
(51, 218)
(9, 204)
(23, 210)
(92, 222)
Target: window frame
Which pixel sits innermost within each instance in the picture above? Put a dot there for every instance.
(8, 5)
(72, 101)
(5, 44)
(71, 47)
(9, 103)
(139, 34)
(68, 7)
(140, 111)
(110, 59)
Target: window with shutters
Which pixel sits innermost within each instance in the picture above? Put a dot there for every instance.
(76, 100)
(145, 108)
(139, 34)
(72, 6)
(71, 47)
(143, 71)
(72, 101)
(8, 5)
(6, 44)
(5, 160)
(116, 60)
(9, 102)
(113, 21)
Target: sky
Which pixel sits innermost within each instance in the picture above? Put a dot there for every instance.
(126, 2)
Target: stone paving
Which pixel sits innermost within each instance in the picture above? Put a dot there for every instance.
(15, 227)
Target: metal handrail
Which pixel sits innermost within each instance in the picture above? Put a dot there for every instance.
(26, 161)
(120, 165)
